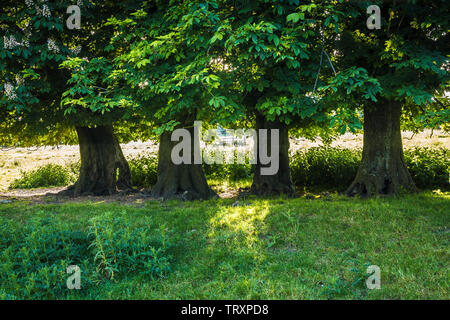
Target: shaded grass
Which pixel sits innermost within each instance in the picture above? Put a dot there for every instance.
(279, 248)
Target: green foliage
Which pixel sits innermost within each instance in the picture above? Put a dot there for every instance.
(34, 257)
(409, 69)
(274, 50)
(143, 170)
(335, 168)
(318, 167)
(143, 174)
(429, 168)
(164, 64)
(325, 167)
(34, 41)
(435, 115)
(230, 172)
(49, 175)
(35, 253)
(90, 88)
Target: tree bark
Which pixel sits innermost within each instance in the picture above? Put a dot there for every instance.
(185, 181)
(383, 170)
(280, 182)
(101, 156)
(124, 178)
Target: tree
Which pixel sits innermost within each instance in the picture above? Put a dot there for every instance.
(407, 57)
(273, 52)
(35, 40)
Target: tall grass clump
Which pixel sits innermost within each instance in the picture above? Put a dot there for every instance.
(230, 169)
(49, 175)
(325, 167)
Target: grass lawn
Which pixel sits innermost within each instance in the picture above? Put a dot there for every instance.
(304, 248)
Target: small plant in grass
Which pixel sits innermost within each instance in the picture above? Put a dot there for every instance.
(120, 248)
(352, 285)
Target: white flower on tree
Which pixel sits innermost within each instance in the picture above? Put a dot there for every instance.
(76, 50)
(29, 3)
(45, 11)
(9, 91)
(51, 44)
(11, 42)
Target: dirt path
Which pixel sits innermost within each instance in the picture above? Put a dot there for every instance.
(51, 196)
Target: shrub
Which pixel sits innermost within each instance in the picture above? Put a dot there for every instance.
(143, 170)
(325, 167)
(335, 168)
(232, 172)
(318, 167)
(429, 168)
(229, 171)
(49, 175)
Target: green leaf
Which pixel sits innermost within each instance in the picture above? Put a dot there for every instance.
(294, 17)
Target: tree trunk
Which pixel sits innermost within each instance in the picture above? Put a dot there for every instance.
(383, 170)
(185, 181)
(124, 178)
(101, 156)
(281, 181)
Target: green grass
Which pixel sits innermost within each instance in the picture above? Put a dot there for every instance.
(274, 248)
